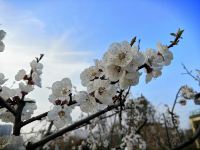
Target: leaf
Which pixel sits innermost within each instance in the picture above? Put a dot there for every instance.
(173, 34)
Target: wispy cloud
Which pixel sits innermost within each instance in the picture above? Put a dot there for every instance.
(26, 38)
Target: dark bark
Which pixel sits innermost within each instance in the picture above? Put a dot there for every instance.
(39, 117)
(17, 124)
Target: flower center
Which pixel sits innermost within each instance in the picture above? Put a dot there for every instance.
(122, 56)
(118, 68)
(64, 91)
(101, 90)
(93, 74)
(61, 113)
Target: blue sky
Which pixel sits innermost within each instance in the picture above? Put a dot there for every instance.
(73, 33)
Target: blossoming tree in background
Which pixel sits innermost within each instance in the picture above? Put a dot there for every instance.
(107, 85)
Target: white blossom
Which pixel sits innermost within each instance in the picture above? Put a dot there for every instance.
(89, 74)
(187, 92)
(61, 90)
(53, 99)
(89, 106)
(129, 79)
(138, 57)
(113, 72)
(103, 91)
(20, 75)
(166, 54)
(100, 65)
(36, 79)
(60, 115)
(2, 35)
(153, 59)
(119, 54)
(36, 72)
(2, 79)
(155, 73)
(81, 97)
(6, 92)
(25, 87)
(36, 67)
(87, 103)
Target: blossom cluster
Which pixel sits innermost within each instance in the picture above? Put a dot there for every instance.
(31, 79)
(119, 69)
(15, 96)
(60, 97)
(187, 93)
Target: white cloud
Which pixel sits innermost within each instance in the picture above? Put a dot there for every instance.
(22, 45)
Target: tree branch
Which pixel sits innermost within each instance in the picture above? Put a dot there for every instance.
(172, 113)
(3, 103)
(32, 146)
(189, 141)
(177, 38)
(17, 124)
(39, 117)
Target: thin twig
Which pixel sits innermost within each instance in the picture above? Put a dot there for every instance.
(172, 113)
(177, 37)
(173, 43)
(190, 74)
(167, 132)
(48, 132)
(39, 117)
